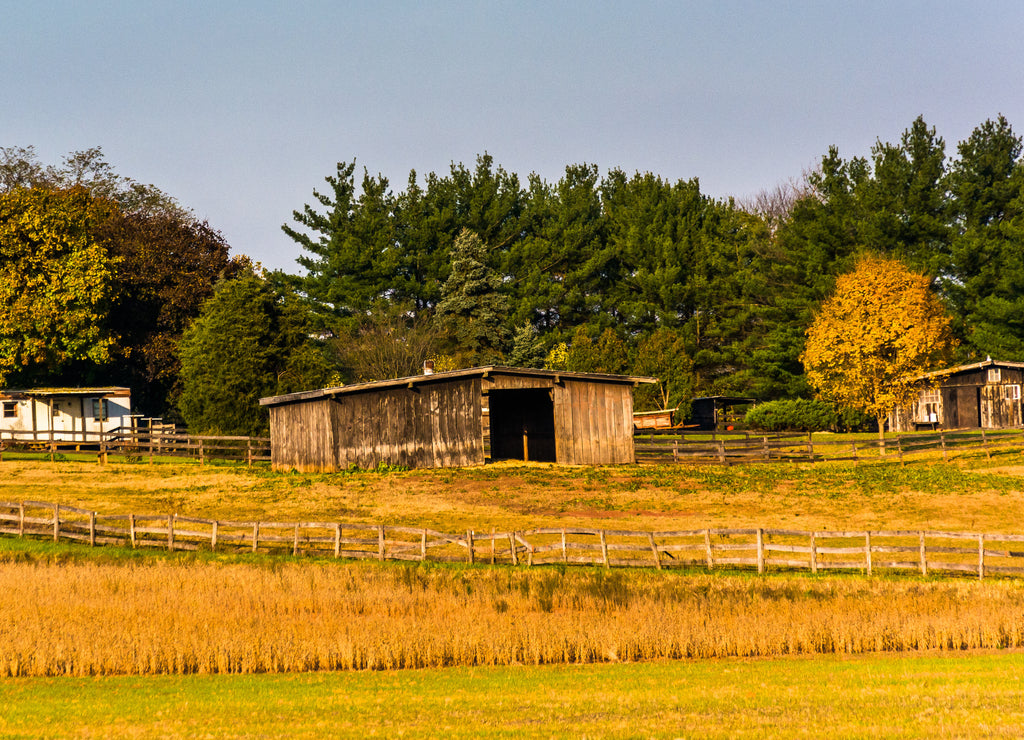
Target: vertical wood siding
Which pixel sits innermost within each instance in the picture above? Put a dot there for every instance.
(593, 423)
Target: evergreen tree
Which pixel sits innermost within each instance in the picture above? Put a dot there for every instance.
(527, 348)
(473, 310)
(250, 341)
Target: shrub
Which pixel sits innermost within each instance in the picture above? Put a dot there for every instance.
(798, 414)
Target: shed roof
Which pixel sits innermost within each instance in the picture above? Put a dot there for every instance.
(987, 362)
(472, 372)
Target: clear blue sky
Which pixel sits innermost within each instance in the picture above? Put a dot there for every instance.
(239, 109)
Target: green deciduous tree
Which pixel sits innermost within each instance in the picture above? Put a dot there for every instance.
(882, 328)
(56, 281)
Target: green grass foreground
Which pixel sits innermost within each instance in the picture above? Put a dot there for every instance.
(977, 695)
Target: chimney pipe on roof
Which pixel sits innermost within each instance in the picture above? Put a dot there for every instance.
(428, 367)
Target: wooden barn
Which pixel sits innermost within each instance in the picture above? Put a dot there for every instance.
(982, 394)
(455, 419)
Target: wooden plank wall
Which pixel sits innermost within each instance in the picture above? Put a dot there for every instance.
(593, 423)
(302, 437)
(429, 425)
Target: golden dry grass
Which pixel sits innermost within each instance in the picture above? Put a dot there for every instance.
(181, 616)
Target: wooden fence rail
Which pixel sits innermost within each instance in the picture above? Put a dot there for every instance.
(743, 447)
(140, 443)
(925, 552)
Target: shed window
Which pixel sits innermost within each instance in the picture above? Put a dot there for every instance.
(100, 409)
(995, 375)
(10, 409)
(1011, 392)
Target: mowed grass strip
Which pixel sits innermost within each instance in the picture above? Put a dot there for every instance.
(185, 615)
(975, 495)
(975, 695)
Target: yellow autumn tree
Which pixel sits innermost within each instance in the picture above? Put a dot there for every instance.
(882, 327)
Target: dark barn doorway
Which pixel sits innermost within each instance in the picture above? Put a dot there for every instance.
(522, 424)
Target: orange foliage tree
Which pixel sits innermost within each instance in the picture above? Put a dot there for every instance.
(882, 328)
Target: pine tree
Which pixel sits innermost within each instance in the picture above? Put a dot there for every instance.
(473, 309)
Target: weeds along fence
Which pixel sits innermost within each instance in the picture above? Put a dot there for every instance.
(924, 552)
(743, 447)
(138, 445)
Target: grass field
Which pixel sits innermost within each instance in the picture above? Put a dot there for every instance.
(492, 632)
(977, 695)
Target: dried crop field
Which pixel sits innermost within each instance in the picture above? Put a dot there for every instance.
(182, 615)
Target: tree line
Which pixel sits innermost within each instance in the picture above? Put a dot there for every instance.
(608, 273)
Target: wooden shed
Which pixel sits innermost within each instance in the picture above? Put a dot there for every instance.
(981, 394)
(455, 419)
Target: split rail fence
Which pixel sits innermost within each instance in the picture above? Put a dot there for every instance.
(743, 447)
(924, 552)
(140, 444)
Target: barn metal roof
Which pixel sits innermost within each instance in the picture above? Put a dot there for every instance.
(482, 372)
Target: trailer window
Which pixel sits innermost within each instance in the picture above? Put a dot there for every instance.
(100, 410)
(10, 409)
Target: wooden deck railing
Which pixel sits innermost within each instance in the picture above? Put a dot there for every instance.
(924, 552)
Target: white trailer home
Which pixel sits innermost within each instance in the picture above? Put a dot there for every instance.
(63, 414)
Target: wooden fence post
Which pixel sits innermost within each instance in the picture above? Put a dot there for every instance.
(255, 535)
(867, 550)
(170, 532)
(654, 549)
(942, 439)
(512, 548)
(337, 540)
(202, 457)
(604, 549)
(707, 548)
(899, 450)
(492, 545)
(984, 443)
(675, 449)
(760, 550)
(92, 529)
(856, 457)
(380, 542)
(295, 541)
(248, 451)
(721, 451)
(131, 529)
(469, 546)
(814, 554)
(981, 556)
(810, 447)
(56, 522)
(565, 553)
(924, 559)
(765, 450)
(21, 519)
(423, 545)
(213, 536)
